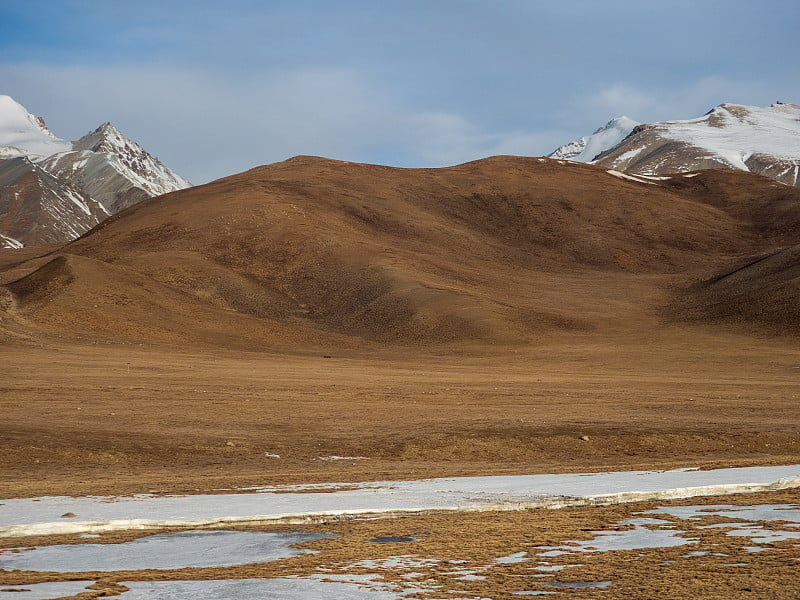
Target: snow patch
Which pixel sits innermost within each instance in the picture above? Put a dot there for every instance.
(9, 242)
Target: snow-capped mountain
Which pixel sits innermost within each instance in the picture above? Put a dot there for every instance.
(113, 170)
(585, 149)
(52, 190)
(763, 140)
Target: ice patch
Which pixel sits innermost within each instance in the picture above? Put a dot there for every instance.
(283, 588)
(638, 538)
(43, 591)
(393, 562)
(517, 557)
(164, 551)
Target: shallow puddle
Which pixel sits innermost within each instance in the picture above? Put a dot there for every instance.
(163, 551)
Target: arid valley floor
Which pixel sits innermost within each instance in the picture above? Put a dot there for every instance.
(149, 356)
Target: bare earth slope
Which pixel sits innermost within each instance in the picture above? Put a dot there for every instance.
(506, 315)
(498, 250)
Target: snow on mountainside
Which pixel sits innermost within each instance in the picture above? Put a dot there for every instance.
(763, 140)
(114, 170)
(22, 134)
(588, 147)
(52, 190)
(38, 208)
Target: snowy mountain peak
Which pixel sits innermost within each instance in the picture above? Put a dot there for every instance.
(763, 140)
(105, 138)
(23, 134)
(588, 147)
(113, 169)
(79, 183)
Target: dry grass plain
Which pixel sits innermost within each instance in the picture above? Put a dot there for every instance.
(117, 419)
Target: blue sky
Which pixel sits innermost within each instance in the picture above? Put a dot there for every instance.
(214, 88)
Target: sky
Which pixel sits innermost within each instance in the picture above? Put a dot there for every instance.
(214, 88)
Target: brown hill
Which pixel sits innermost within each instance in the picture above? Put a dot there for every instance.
(764, 291)
(316, 251)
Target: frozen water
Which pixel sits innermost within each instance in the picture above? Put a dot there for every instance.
(164, 551)
(640, 537)
(43, 591)
(393, 562)
(283, 588)
(758, 512)
(743, 519)
(32, 516)
(517, 557)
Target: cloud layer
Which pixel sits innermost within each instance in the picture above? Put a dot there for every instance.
(216, 89)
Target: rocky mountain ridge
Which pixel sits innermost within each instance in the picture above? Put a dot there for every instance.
(52, 190)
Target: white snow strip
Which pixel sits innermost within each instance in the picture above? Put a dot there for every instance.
(636, 178)
(9, 242)
(41, 516)
(77, 201)
(655, 177)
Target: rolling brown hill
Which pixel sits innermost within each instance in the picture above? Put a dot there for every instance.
(317, 252)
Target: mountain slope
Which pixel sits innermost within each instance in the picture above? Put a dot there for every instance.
(497, 251)
(113, 170)
(765, 141)
(586, 148)
(103, 173)
(38, 208)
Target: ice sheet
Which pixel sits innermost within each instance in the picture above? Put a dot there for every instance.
(31, 516)
(43, 591)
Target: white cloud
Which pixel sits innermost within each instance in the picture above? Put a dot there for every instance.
(657, 103)
(206, 125)
(441, 138)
